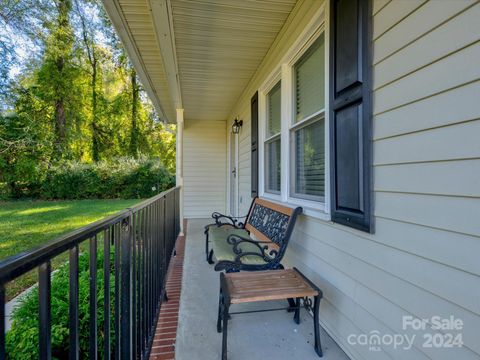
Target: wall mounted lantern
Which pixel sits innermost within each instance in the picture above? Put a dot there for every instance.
(237, 124)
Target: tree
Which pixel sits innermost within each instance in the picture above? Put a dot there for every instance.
(62, 49)
(89, 29)
(135, 104)
(75, 96)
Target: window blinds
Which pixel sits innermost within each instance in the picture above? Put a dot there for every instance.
(273, 169)
(274, 115)
(310, 160)
(310, 80)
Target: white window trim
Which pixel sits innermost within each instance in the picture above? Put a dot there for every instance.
(284, 71)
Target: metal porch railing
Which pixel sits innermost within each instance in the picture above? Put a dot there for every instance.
(139, 242)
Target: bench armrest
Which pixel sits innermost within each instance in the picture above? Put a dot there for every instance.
(222, 219)
(265, 253)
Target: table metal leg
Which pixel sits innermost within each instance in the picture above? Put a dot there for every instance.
(226, 306)
(220, 310)
(296, 317)
(316, 310)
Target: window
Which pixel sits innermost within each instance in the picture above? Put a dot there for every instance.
(273, 142)
(307, 175)
(294, 124)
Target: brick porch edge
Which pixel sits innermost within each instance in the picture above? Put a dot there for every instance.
(163, 346)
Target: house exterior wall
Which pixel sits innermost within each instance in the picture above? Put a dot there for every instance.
(423, 259)
(204, 168)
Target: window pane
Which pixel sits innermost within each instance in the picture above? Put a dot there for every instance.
(310, 81)
(273, 122)
(310, 160)
(273, 165)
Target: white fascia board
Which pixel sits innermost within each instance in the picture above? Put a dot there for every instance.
(163, 23)
(120, 24)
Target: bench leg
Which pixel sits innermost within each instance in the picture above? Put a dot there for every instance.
(226, 306)
(206, 244)
(220, 311)
(296, 317)
(316, 310)
(210, 257)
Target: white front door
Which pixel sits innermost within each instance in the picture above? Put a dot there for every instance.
(233, 188)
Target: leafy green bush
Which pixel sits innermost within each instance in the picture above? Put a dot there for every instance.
(125, 178)
(22, 338)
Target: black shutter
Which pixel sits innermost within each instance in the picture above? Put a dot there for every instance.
(254, 148)
(350, 114)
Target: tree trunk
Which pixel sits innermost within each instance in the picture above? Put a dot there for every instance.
(64, 7)
(95, 129)
(60, 126)
(134, 128)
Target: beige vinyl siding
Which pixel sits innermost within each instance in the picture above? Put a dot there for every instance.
(204, 168)
(423, 259)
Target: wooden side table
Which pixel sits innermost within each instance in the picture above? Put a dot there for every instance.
(245, 287)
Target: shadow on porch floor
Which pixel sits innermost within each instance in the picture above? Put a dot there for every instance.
(270, 335)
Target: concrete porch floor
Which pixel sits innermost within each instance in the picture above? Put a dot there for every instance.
(269, 335)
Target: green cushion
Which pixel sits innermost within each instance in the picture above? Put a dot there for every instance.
(223, 231)
(215, 226)
(224, 251)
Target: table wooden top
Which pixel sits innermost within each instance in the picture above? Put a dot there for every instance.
(267, 285)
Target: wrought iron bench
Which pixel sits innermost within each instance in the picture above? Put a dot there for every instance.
(226, 221)
(259, 243)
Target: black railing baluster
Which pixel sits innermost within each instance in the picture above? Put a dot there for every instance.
(155, 259)
(150, 271)
(169, 225)
(164, 249)
(158, 264)
(175, 212)
(125, 311)
(116, 241)
(134, 283)
(73, 305)
(93, 342)
(147, 278)
(2, 322)
(165, 235)
(45, 318)
(106, 293)
(138, 285)
(144, 283)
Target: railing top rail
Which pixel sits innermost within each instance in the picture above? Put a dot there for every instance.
(17, 265)
(148, 201)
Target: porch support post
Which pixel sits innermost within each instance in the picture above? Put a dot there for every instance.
(179, 164)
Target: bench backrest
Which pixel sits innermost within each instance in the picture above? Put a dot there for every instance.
(272, 222)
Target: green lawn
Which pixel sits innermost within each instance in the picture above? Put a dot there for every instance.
(28, 224)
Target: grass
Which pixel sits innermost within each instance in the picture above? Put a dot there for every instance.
(25, 225)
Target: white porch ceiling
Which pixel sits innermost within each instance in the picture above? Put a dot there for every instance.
(218, 46)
